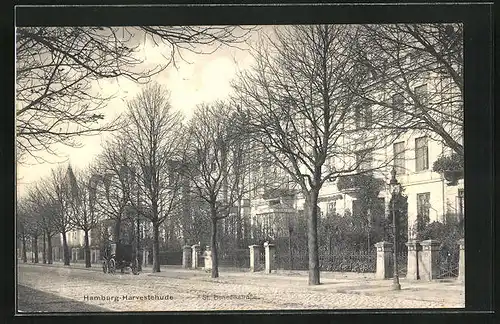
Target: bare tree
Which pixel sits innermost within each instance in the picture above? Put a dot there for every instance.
(417, 72)
(215, 166)
(57, 68)
(33, 222)
(83, 206)
(304, 117)
(43, 209)
(152, 136)
(61, 194)
(112, 189)
(21, 226)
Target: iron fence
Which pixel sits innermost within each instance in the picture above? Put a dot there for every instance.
(341, 261)
(448, 263)
(169, 257)
(402, 258)
(238, 258)
(349, 261)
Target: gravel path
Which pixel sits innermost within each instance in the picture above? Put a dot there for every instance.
(185, 290)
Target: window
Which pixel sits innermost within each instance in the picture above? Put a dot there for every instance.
(398, 105)
(399, 157)
(460, 199)
(421, 154)
(364, 160)
(423, 205)
(422, 95)
(332, 207)
(363, 116)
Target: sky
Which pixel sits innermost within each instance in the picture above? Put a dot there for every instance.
(204, 78)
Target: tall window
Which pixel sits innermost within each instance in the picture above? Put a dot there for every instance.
(423, 204)
(398, 105)
(363, 116)
(364, 159)
(332, 207)
(399, 157)
(421, 154)
(422, 95)
(460, 199)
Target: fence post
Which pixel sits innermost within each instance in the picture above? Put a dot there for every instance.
(428, 264)
(414, 249)
(254, 258)
(186, 253)
(461, 261)
(194, 259)
(269, 253)
(384, 260)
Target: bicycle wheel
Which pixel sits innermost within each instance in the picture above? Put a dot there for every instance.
(104, 267)
(112, 266)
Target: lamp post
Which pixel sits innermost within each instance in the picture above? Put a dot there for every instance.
(395, 188)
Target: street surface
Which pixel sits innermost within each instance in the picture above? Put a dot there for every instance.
(176, 289)
(31, 300)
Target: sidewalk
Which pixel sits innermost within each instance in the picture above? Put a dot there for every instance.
(281, 290)
(334, 282)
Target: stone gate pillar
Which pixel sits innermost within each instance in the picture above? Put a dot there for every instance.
(385, 262)
(186, 256)
(270, 251)
(461, 261)
(428, 263)
(414, 249)
(195, 250)
(254, 257)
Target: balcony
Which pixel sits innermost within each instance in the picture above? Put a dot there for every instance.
(354, 185)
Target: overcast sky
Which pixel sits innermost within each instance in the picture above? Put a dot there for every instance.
(205, 79)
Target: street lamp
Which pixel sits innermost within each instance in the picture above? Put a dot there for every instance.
(395, 188)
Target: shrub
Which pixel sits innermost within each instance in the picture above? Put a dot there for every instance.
(447, 233)
(453, 162)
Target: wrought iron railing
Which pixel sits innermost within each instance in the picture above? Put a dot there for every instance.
(239, 258)
(170, 258)
(402, 263)
(363, 261)
(448, 263)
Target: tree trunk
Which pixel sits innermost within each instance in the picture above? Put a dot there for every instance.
(66, 254)
(86, 249)
(213, 244)
(156, 247)
(239, 226)
(44, 249)
(49, 248)
(25, 256)
(117, 229)
(35, 247)
(312, 235)
(138, 247)
(290, 248)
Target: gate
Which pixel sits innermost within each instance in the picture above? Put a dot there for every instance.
(402, 263)
(448, 263)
